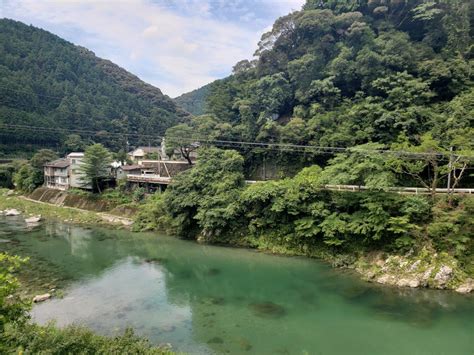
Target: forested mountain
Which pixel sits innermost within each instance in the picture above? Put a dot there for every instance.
(347, 73)
(194, 101)
(48, 82)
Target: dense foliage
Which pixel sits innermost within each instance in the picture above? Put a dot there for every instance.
(30, 174)
(12, 308)
(34, 339)
(48, 82)
(298, 215)
(346, 73)
(195, 101)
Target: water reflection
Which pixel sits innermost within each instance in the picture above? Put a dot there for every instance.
(206, 299)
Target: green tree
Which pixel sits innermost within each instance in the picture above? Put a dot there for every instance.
(361, 165)
(95, 166)
(422, 161)
(182, 138)
(24, 178)
(204, 200)
(74, 143)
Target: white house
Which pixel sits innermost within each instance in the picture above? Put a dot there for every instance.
(56, 174)
(65, 173)
(75, 175)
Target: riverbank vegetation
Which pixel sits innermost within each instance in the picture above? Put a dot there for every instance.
(17, 335)
(212, 203)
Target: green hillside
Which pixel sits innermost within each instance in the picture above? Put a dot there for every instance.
(347, 73)
(48, 82)
(194, 101)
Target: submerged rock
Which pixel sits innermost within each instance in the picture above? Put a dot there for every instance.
(168, 328)
(267, 309)
(213, 272)
(215, 340)
(244, 344)
(41, 298)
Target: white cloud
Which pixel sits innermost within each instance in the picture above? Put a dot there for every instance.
(176, 51)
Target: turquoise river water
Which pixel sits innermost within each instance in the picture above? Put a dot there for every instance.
(213, 300)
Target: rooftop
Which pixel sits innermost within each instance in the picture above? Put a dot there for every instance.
(59, 163)
(131, 167)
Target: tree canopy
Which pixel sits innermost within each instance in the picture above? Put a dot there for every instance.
(350, 73)
(50, 83)
(95, 166)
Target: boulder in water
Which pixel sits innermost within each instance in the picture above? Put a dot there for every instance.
(41, 298)
(466, 287)
(12, 212)
(33, 219)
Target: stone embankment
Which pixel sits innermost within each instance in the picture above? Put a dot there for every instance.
(67, 199)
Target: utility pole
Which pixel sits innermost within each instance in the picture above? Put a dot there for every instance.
(450, 167)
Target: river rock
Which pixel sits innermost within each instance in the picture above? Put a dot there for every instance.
(414, 266)
(9, 193)
(386, 279)
(12, 212)
(444, 274)
(426, 276)
(466, 287)
(408, 282)
(33, 219)
(41, 298)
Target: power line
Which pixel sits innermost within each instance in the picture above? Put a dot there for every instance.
(234, 144)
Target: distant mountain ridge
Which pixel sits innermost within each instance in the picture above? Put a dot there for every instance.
(48, 82)
(194, 101)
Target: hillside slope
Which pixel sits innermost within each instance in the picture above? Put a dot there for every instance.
(48, 82)
(347, 73)
(194, 101)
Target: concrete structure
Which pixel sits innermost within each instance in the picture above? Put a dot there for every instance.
(63, 174)
(75, 176)
(152, 174)
(56, 174)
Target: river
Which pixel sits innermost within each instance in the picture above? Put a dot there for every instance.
(209, 299)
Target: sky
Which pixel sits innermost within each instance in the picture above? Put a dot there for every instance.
(176, 45)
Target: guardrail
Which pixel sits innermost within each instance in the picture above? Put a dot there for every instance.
(401, 190)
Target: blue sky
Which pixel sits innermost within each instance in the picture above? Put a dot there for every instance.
(176, 45)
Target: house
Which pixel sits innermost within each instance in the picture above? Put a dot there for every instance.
(75, 175)
(65, 173)
(56, 174)
(141, 153)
